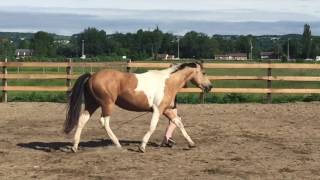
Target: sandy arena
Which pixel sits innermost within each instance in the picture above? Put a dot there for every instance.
(242, 141)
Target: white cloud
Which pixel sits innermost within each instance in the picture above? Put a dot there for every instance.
(112, 14)
(220, 10)
(307, 6)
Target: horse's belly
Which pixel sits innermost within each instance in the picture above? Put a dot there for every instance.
(133, 102)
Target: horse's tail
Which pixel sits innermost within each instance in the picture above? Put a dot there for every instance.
(75, 102)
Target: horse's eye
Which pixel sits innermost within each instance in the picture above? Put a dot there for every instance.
(204, 73)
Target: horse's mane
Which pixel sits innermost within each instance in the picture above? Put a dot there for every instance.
(181, 66)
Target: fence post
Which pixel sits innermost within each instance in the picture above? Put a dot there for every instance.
(4, 82)
(269, 83)
(128, 67)
(69, 73)
(202, 97)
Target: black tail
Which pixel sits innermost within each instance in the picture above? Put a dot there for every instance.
(75, 102)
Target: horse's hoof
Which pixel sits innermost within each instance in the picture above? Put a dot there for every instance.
(192, 145)
(168, 143)
(123, 150)
(74, 150)
(142, 149)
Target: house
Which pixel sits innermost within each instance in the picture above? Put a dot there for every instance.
(62, 41)
(268, 55)
(22, 53)
(232, 57)
(165, 57)
(317, 58)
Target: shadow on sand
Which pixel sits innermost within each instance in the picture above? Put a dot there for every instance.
(65, 146)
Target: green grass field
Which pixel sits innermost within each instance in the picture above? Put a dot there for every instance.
(182, 98)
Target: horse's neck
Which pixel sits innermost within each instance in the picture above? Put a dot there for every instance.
(181, 77)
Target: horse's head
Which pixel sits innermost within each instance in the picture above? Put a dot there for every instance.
(199, 77)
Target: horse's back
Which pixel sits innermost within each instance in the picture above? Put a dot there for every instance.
(106, 83)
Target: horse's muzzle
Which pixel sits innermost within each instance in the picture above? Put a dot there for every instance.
(208, 88)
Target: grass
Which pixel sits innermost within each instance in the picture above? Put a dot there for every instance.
(37, 97)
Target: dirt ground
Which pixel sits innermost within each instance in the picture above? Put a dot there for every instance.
(242, 141)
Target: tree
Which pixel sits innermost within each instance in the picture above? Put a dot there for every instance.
(224, 45)
(6, 47)
(315, 47)
(197, 45)
(243, 44)
(169, 44)
(95, 41)
(306, 41)
(43, 44)
(294, 48)
(24, 44)
(157, 37)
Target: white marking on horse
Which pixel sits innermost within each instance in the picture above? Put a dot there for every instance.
(83, 119)
(152, 83)
(105, 121)
(152, 128)
(177, 121)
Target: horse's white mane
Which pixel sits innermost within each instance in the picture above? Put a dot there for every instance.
(173, 68)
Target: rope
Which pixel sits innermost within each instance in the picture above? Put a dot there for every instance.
(126, 122)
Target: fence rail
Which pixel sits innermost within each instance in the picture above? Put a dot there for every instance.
(68, 76)
(232, 66)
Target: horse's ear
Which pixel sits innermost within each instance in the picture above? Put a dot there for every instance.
(199, 62)
(185, 85)
(173, 64)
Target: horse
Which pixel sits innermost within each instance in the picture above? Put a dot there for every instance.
(153, 91)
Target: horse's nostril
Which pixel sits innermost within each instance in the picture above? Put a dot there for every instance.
(208, 88)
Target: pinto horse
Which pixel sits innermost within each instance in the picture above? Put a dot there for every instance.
(153, 91)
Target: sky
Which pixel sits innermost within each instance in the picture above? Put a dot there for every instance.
(177, 16)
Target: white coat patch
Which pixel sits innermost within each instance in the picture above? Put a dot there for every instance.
(152, 83)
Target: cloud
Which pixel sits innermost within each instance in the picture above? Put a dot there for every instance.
(68, 24)
(178, 16)
(236, 15)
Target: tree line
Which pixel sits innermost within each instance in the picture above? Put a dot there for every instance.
(147, 44)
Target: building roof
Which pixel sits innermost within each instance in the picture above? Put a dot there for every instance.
(23, 51)
(162, 55)
(266, 53)
(232, 55)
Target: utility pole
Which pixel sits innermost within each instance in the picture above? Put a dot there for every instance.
(278, 46)
(288, 50)
(310, 49)
(82, 51)
(178, 47)
(251, 47)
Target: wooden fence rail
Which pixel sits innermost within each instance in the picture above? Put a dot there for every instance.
(68, 76)
(268, 78)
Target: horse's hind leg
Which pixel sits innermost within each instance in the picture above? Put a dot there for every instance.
(84, 118)
(105, 122)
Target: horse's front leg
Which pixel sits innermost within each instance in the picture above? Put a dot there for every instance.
(172, 115)
(153, 125)
(177, 121)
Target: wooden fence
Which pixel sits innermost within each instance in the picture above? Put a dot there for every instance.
(268, 78)
(68, 76)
